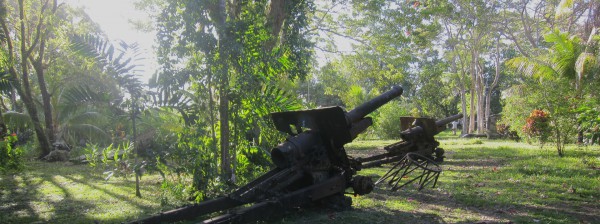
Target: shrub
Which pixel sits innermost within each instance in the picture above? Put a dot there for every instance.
(10, 156)
(537, 126)
(387, 124)
(91, 154)
(505, 131)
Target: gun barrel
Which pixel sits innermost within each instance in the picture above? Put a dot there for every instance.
(429, 130)
(371, 105)
(445, 121)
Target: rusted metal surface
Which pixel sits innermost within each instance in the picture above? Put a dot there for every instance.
(418, 137)
(416, 157)
(412, 168)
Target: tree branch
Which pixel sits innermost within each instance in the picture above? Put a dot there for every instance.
(38, 32)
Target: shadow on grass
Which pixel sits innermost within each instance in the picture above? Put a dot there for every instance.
(14, 201)
(27, 201)
(360, 215)
(68, 205)
(499, 182)
(53, 193)
(473, 209)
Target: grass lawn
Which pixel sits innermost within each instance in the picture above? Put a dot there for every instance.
(67, 193)
(483, 181)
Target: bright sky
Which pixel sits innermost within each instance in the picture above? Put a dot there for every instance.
(113, 16)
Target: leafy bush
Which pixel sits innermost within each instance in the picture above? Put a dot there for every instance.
(91, 154)
(114, 160)
(506, 131)
(387, 123)
(537, 126)
(191, 161)
(117, 159)
(10, 156)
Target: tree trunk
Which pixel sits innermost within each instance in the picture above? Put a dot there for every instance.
(221, 18)
(479, 80)
(472, 109)
(33, 113)
(224, 131)
(463, 100)
(276, 16)
(213, 123)
(3, 128)
(559, 145)
(25, 93)
(46, 103)
(488, 104)
(136, 147)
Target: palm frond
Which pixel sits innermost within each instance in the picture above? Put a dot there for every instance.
(533, 68)
(274, 99)
(5, 85)
(89, 116)
(78, 100)
(122, 67)
(79, 95)
(92, 47)
(89, 131)
(17, 120)
(564, 52)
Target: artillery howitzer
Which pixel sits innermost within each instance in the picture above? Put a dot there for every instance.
(312, 168)
(417, 152)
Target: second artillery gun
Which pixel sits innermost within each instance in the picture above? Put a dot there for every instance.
(417, 153)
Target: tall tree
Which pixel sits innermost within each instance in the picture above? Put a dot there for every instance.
(29, 27)
(232, 50)
(36, 44)
(390, 43)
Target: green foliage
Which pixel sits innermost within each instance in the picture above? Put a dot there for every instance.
(114, 160)
(224, 71)
(193, 157)
(560, 78)
(10, 156)
(91, 154)
(117, 160)
(387, 123)
(588, 115)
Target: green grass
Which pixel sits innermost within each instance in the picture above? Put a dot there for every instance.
(67, 193)
(485, 181)
(491, 181)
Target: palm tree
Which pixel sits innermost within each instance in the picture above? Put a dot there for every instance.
(120, 65)
(76, 115)
(568, 62)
